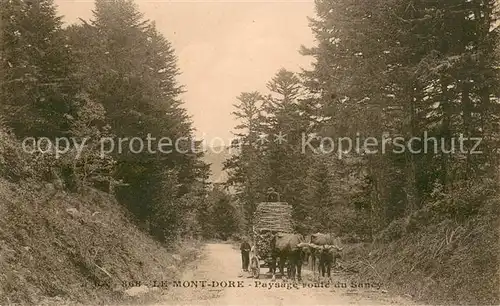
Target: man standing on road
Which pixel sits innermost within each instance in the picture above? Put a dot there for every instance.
(245, 254)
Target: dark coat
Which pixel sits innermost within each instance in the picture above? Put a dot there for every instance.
(245, 247)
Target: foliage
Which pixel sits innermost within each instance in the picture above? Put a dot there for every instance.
(37, 80)
(108, 78)
(78, 248)
(222, 220)
(134, 68)
(384, 69)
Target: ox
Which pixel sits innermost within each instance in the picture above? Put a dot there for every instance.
(286, 248)
(322, 248)
(328, 255)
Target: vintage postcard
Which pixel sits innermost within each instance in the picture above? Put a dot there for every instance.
(259, 152)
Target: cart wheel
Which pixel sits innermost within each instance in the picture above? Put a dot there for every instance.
(255, 266)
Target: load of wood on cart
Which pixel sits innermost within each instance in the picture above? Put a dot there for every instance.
(271, 218)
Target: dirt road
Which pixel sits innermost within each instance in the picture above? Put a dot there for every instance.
(220, 267)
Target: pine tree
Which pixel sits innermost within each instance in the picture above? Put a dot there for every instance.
(245, 169)
(223, 215)
(134, 70)
(286, 120)
(404, 68)
(38, 86)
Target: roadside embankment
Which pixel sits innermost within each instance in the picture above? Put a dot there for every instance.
(57, 247)
(450, 262)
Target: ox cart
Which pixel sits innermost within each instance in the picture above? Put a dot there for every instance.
(270, 218)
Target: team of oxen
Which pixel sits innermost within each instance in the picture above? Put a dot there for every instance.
(294, 249)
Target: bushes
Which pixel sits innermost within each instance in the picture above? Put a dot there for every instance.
(77, 248)
(13, 161)
(217, 216)
(438, 255)
(348, 223)
(23, 163)
(463, 201)
(467, 200)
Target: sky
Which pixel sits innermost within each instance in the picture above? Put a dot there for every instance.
(223, 48)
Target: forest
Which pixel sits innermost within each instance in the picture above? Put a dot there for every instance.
(381, 68)
(424, 70)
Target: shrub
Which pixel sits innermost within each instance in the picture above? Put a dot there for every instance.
(14, 163)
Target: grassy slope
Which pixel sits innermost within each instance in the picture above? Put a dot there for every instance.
(446, 263)
(74, 248)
